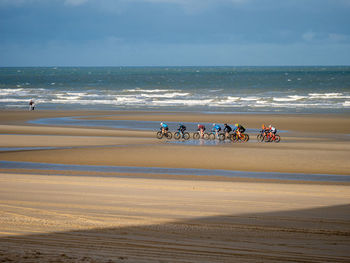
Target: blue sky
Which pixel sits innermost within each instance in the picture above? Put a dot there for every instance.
(174, 32)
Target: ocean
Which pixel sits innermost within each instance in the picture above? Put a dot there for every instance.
(200, 89)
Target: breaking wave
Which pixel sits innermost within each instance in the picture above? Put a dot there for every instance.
(151, 98)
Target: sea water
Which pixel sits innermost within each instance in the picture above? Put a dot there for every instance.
(203, 89)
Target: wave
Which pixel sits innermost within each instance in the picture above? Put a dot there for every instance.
(148, 90)
(166, 95)
(14, 100)
(289, 98)
(173, 97)
(7, 92)
(346, 104)
(199, 102)
(250, 98)
(229, 101)
(333, 95)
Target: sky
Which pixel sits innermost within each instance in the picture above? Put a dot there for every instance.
(174, 32)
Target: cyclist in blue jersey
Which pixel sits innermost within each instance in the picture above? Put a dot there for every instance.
(216, 129)
(164, 127)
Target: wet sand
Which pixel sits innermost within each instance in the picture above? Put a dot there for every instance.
(68, 218)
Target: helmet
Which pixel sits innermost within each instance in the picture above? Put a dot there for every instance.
(198, 124)
(214, 124)
(161, 123)
(263, 126)
(270, 126)
(236, 124)
(225, 124)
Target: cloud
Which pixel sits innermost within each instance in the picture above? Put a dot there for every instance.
(338, 38)
(313, 37)
(309, 36)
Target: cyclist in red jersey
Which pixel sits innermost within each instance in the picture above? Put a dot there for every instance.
(201, 129)
(272, 131)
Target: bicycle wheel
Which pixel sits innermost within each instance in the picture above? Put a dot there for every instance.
(277, 138)
(260, 137)
(168, 135)
(234, 137)
(186, 135)
(212, 136)
(196, 136)
(159, 135)
(206, 136)
(221, 136)
(267, 139)
(177, 135)
(246, 137)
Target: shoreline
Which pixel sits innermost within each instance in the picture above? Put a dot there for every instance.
(326, 123)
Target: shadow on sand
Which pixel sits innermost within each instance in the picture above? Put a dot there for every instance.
(312, 235)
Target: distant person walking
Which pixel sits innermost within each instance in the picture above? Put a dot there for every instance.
(31, 104)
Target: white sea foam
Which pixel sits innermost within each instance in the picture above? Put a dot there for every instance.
(76, 94)
(128, 100)
(333, 95)
(289, 98)
(114, 101)
(14, 100)
(346, 104)
(250, 98)
(173, 97)
(148, 90)
(166, 95)
(5, 92)
(215, 90)
(226, 101)
(229, 98)
(192, 102)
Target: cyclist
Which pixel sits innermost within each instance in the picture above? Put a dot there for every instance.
(164, 127)
(264, 130)
(201, 129)
(216, 129)
(182, 128)
(227, 130)
(272, 131)
(239, 129)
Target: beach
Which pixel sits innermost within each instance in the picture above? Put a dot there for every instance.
(50, 215)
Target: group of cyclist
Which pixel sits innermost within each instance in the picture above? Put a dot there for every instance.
(238, 128)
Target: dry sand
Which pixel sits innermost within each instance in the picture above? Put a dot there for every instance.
(73, 218)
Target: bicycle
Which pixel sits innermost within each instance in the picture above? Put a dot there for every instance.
(183, 135)
(209, 136)
(222, 136)
(197, 135)
(239, 137)
(166, 134)
(275, 138)
(261, 137)
(214, 134)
